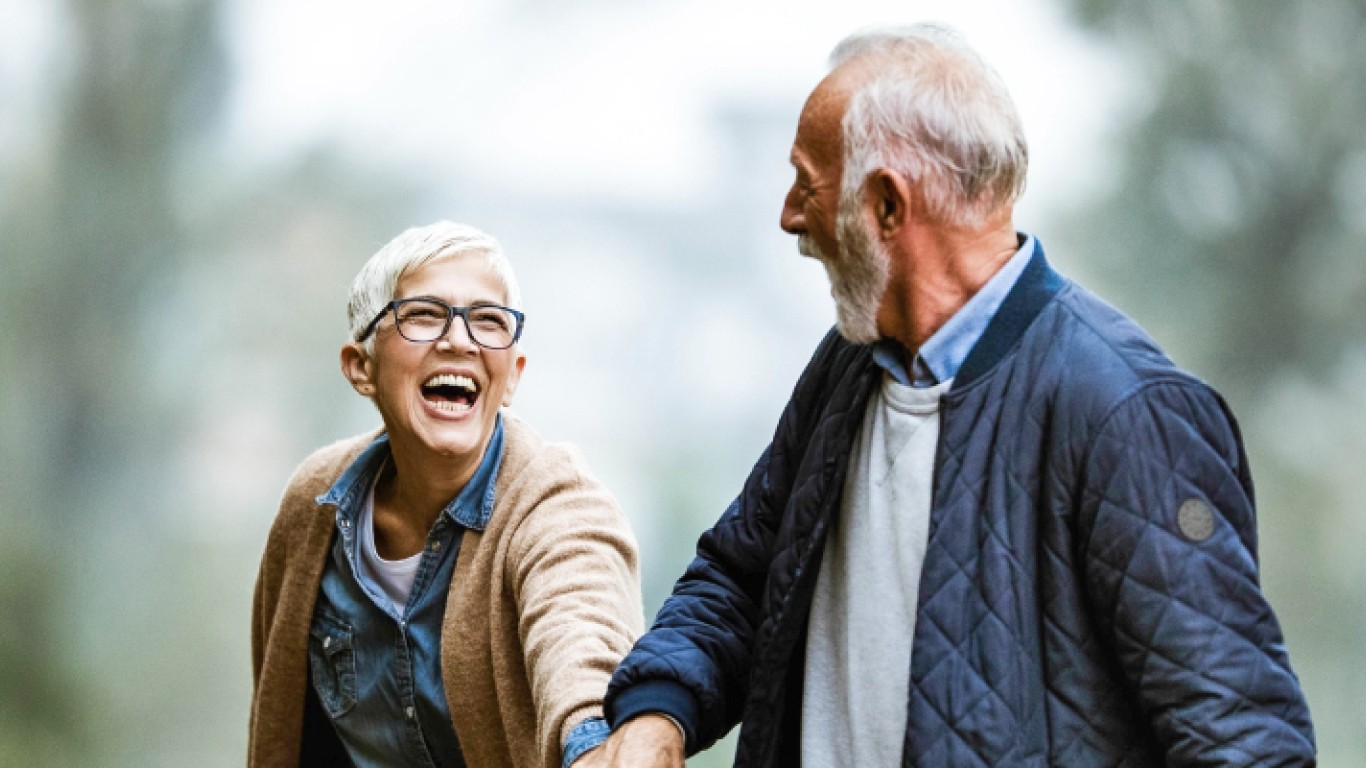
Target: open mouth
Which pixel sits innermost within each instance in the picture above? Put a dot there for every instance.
(448, 392)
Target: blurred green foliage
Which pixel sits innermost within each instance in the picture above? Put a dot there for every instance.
(144, 280)
(89, 229)
(1234, 228)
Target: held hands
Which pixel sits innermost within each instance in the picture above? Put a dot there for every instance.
(647, 741)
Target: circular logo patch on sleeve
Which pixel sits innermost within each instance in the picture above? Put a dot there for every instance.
(1195, 519)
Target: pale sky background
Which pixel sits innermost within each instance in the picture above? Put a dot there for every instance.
(608, 99)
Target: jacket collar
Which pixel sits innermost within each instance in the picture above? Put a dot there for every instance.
(1037, 286)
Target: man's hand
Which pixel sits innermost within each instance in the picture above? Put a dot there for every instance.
(647, 741)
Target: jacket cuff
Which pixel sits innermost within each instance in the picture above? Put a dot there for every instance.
(661, 697)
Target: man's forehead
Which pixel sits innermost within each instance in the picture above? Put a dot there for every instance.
(819, 133)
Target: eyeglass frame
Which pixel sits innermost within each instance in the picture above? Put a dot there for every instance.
(451, 312)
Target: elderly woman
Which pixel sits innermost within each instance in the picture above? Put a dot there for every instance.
(450, 589)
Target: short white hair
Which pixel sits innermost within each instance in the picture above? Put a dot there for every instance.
(377, 282)
(933, 110)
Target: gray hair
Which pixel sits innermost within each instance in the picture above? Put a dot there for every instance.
(377, 281)
(935, 111)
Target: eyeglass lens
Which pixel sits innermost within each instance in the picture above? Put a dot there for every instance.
(429, 320)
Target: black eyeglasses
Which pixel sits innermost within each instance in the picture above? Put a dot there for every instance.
(421, 320)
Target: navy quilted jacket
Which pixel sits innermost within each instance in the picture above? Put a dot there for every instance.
(1090, 591)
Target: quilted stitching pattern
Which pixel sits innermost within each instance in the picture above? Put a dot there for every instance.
(1063, 618)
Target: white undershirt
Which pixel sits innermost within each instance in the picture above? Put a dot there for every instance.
(858, 653)
(394, 577)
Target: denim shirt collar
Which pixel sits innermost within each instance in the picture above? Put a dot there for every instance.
(940, 357)
(472, 507)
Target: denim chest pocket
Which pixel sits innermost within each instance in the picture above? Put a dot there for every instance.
(332, 659)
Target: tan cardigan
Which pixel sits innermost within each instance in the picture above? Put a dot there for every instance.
(542, 605)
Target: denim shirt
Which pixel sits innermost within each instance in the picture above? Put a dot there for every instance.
(390, 709)
(377, 671)
(940, 357)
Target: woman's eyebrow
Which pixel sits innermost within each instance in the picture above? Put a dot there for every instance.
(448, 300)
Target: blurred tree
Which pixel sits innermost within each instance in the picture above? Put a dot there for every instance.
(131, 251)
(1241, 181)
(89, 226)
(1233, 230)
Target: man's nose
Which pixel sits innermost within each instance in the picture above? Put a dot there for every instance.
(791, 220)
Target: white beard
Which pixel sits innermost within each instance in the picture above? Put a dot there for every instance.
(858, 277)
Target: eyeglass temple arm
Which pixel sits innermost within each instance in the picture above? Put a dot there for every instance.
(369, 329)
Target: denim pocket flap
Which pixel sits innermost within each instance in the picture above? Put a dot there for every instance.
(333, 663)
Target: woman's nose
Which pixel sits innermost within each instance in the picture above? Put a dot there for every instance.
(457, 337)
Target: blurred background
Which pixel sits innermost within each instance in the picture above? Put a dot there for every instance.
(188, 186)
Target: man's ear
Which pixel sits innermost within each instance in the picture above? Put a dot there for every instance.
(889, 197)
(514, 376)
(358, 368)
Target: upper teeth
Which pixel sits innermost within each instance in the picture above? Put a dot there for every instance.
(451, 380)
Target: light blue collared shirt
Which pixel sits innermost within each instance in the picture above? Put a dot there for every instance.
(940, 357)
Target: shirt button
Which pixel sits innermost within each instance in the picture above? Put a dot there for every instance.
(327, 643)
(345, 523)
(410, 712)
(436, 545)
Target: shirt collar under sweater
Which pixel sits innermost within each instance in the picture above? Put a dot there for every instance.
(471, 508)
(940, 357)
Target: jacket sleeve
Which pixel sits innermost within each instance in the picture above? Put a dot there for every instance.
(576, 581)
(1171, 571)
(693, 664)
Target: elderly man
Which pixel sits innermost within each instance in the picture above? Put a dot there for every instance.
(996, 525)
